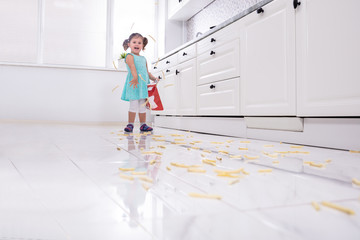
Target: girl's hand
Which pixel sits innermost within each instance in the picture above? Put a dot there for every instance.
(134, 83)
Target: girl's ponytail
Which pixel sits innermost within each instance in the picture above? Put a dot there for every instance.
(126, 44)
(145, 42)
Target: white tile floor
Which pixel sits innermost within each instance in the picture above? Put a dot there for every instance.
(63, 182)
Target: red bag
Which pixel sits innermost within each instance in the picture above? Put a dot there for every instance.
(154, 102)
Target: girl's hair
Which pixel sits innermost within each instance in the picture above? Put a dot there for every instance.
(134, 35)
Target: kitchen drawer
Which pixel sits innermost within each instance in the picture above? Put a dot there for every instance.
(219, 38)
(219, 98)
(219, 63)
(186, 53)
(157, 66)
(169, 62)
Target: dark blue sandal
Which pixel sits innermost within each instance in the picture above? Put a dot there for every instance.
(129, 128)
(145, 128)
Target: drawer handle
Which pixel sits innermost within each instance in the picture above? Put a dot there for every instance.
(260, 10)
(177, 72)
(184, 53)
(212, 86)
(155, 67)
(159, 77)
(167, 70)
(212, 53)
(296, 3)
(213, 40)
(180, 1)
(167, 62)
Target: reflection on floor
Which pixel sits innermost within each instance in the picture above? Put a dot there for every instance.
(94, 182)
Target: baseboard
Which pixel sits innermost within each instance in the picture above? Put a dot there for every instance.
(338, 133)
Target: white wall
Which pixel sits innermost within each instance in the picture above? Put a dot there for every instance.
(60, 94)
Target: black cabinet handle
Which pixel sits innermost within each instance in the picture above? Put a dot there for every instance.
(260, 10)
(212, 53)
(167, 70)
(180, 1)
(296, 3)
(155, 67)
(167, 62)
(212, 86)
(184, 53)
(213, 40)
(159, 77)
(177, 72)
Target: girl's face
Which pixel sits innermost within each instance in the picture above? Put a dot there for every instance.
(136, 45)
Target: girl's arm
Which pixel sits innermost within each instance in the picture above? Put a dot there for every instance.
(155, 79)
(130, 61)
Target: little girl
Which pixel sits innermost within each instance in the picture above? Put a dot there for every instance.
(135, 89)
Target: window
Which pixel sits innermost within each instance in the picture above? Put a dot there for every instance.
(19, 31)
(73, 32)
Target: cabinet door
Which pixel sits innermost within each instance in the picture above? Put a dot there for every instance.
(218, 98)
(267, 46)
(328, 57)
(218, 63)
(168, 91)
(187, 87)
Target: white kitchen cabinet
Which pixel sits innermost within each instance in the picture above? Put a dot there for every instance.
(267, 71)
(186, 74)
(182, 10)
(168, 91)
(218, 98)
(218, 63)
(328, 57)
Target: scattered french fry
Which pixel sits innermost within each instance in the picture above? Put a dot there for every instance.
(316, 206)
(242, 148)
(146, 179)
(179, 140)
(319, 165)
(296, 146)
(196, 148)
(197, 170)
(115, 88)
(328, 161)
(114, 65)
(119, 149)
(219, 158)
(177, 135)
(337, 207)
(216, 142)
(126, 169)
(236, 156)
(168, 168)
(224, 152)
(200, 195)
(207, 151)
(268, 145)
(203, 155)
(208, 162)
(152, 37)
(354, 151)
(228, 175)
(161, 146)
(229, 171)
(126, 177)
(145, 186)
(265, 170)
(152, 162)
(138, 173)
(251, 157)
(275, 162)
(356, 182)
(234, 181)
(245, 142)
(141, 77)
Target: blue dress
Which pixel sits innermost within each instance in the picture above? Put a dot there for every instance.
(140, 92)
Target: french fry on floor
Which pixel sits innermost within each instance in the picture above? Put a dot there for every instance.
(126, 177)
(234, 181)
(265, 170)
(201, 195)
(196, 170)
(316, 206)
(337, 207)
(146, 179)
(138, 173)
(126, 169)
(356, 182)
